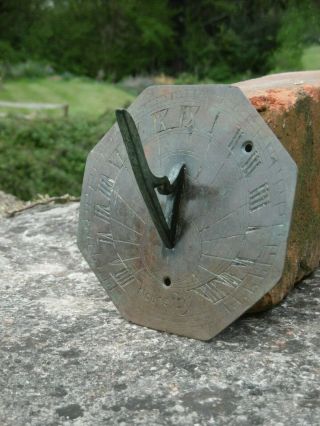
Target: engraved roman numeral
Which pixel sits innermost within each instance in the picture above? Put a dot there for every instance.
(116, 159)
(90, 193)
(272, 154)
(259, 197)
(102, 212)
(211, 293)
(187, 115)
(108, 284)
(235, 139)
(214, 122)
(105, 238)
(241, 261)
(219, 287)
(158, 120)
(123, 277)
(106, 186)
(228, 280)
(249, 166)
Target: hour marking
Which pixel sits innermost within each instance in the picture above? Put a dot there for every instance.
(106, 186)
(116, 159)
(127, 242)
(241, 261)
(235, 139)
(102, 212)
(121, 261)
(123, 277)
(250, 165)
(223, 237)
(219, 287)
(214, 122)
(272, 154)
(259, 197)
(105, 238)
(209, 292)
(158, 120)
(187, 115)
(228, 280)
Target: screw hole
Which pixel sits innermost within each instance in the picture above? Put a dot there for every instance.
(248, 146)
(167, 281)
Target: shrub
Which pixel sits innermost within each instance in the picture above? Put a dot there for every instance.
(27, 69)
(47, 156)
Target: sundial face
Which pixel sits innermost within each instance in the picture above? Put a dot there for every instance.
(234, 214)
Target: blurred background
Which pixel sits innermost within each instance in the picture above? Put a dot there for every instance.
(65, 65)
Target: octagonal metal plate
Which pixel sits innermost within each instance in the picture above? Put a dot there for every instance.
(235, 213)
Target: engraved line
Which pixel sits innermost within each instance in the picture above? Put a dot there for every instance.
(127, 242)
(126, 226)
(118, 195)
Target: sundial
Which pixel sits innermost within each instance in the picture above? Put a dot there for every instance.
(186, 209)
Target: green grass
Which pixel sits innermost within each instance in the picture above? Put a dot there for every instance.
(85, 97)
(311, 58)
(47, 154)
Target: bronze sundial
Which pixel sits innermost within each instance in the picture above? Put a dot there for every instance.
(186, 209)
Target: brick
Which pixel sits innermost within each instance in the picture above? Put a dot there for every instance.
(290, 105)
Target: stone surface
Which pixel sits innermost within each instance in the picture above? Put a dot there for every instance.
(290, 105)
(68, 358)
(9, 202)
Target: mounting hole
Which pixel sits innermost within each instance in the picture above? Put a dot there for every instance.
(167, 281)
(248, 146)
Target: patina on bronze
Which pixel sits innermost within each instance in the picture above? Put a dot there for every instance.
(194, 257)
(166, 226)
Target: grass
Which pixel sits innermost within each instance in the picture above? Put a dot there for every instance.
(311, 58)
(47, 154)
(85, 97)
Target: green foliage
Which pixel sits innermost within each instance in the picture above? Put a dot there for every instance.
(300, 28)
(117, 38)
(47, 157)
(218, 40)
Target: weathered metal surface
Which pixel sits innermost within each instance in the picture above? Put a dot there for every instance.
(234, 218)
(166, 225)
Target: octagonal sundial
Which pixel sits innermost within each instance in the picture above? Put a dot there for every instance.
(186, 209)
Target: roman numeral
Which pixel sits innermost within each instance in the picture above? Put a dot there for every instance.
(102, 212)
(219, 287)
(228, 280)
(214, 122)
(208, 291)
(158, 120)
(241, 261)
(116, 159)
(106, 186)
(123, 277)
(272, 154)
(187, 115)
(259, 197)
(235, 139)
(249, 166)
(105, 238)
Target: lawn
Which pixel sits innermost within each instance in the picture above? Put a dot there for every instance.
(311, 58)
(85, 97)
(48, 155)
